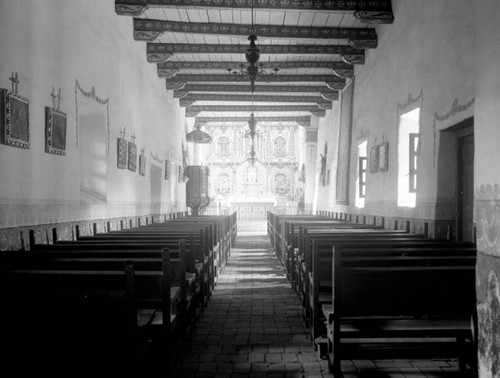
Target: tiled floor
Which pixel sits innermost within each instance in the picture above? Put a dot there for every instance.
(253, 326)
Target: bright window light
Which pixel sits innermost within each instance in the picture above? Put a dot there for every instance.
(361, 175)
(408, 158)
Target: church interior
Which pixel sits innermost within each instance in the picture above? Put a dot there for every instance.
(242, 164)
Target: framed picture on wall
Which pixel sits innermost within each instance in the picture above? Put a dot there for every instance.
(14, 111)
(167, 169)
(132, 157)
(142, 164)
(374, 151)
(180, 174)
(383, 152)
(122, 152)
(55, 131)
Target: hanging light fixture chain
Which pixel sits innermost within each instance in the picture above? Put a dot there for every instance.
(251, 29)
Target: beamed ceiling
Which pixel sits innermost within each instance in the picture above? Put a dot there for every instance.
(315, 45)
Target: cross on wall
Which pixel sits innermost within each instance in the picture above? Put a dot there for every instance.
(59, 98)
(15, 81)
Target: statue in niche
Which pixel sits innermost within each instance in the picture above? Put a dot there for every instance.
(279, 146)
(322, 175)
(302, 175)
(280, 184)
(223, 184)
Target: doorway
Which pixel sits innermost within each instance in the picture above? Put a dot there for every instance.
(465, 185)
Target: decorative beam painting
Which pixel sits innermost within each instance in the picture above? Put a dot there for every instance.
(321, 89)
(373, 11)
(331, 81)
(249, 98)
(208, 65)
(301, 120)
(194, 110)
(147, 30)
(159, 52)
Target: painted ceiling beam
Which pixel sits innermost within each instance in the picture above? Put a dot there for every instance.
(300, 120)
(189, 100)
(373, 11)
(248, 98)
(228, 78)
(167, 69)
(194, 110)
(148, 30)
(160, 52)
(323, 90)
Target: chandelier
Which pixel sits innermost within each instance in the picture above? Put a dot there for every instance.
(252, 71)
(252, 124)
(252, 132)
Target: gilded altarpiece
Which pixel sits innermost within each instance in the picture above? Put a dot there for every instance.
(252, 186)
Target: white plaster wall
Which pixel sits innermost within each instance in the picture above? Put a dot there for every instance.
(52, 43)
(429, 49)
(487, 183)
(328, 133)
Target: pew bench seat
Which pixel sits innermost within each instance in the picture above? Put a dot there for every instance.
(397, 336)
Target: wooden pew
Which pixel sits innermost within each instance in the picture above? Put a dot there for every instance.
(296, 238)
(197, 261)
(378, 248)
(398, 308)
(137, 251)
(82, 300)
(304, 258)
(283, 231)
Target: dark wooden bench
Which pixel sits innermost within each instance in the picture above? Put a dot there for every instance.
(103, 310)
(375, 249)
(400, 306)
(277, 229)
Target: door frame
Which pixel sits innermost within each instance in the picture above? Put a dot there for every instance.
(462, 130)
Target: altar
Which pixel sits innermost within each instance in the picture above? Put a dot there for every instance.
(255, 208)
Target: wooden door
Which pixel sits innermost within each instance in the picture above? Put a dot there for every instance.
(465, 224)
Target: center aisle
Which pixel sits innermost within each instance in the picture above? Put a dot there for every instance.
(253, 322)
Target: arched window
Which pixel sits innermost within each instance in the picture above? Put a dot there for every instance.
(223, 144)
(279, 146)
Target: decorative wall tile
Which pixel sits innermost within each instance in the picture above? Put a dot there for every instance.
(487, 218)
(488, 312)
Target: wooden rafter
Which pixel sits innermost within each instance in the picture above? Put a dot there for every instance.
(208, 65)
(373, 11)
(189, 100)
(323, 90)
(160, 52)
(147, 30)
(167, 69)
(194, 110)
(229, 78)
(248, 98)
(300, 120)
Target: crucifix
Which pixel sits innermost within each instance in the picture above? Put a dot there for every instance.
(59, 98)
(133, 138)
(53, 95)
(15, 82)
